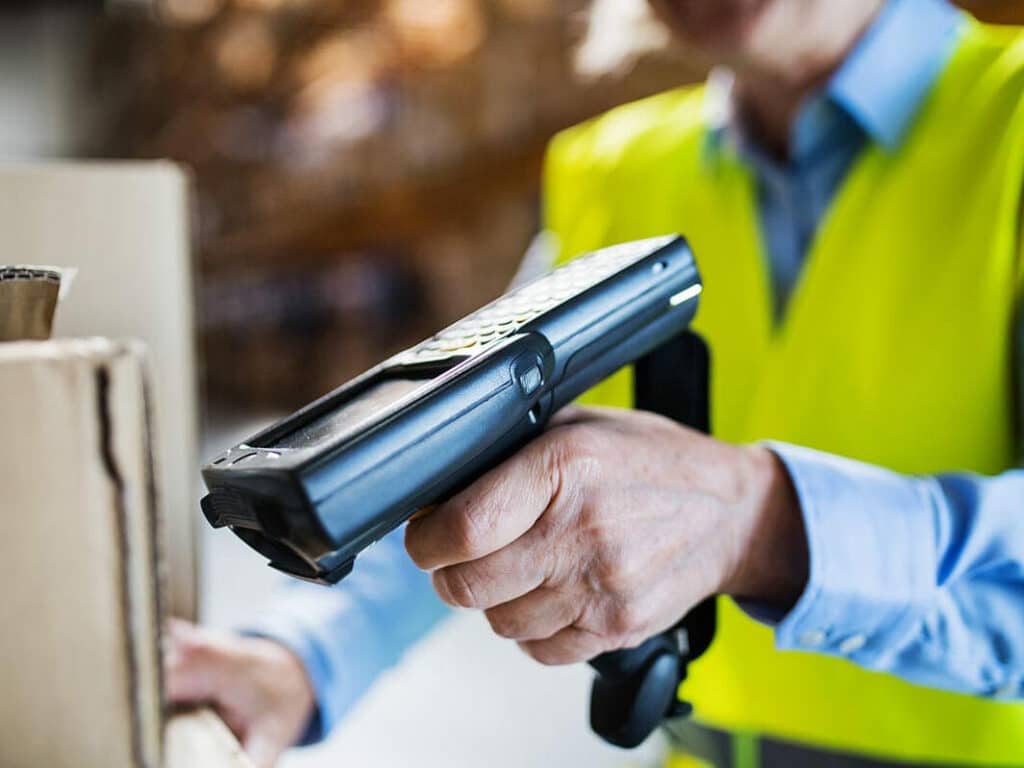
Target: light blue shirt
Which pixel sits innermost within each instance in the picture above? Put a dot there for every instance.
(921, 577)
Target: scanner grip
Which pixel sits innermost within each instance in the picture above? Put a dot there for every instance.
(636, 688)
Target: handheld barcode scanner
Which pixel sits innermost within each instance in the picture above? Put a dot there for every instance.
(314, 490)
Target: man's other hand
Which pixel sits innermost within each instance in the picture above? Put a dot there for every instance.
(608, 528)
(258, 686)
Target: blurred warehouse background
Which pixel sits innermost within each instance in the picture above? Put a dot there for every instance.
(365, 171)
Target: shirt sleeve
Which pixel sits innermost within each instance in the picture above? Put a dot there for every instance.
(348, 634)
(919, 577)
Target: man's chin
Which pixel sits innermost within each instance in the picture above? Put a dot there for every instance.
(711, 24)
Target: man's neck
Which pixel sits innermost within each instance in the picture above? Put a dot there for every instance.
(791, 58)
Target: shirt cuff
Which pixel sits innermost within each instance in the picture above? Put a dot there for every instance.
(872, 538)
(291, 623)
(303, 649)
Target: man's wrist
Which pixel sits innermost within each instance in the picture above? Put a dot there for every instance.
(771, 557)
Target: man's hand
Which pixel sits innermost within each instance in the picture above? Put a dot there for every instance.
(608, 528)
(258, 686)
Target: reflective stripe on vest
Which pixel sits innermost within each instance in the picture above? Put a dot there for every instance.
(705, 747)
(894, 350)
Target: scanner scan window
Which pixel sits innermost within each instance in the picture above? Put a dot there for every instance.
(350, 417)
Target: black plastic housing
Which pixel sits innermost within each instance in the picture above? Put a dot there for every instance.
(312, 510)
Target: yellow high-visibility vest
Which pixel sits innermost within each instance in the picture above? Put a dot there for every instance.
(895, 349)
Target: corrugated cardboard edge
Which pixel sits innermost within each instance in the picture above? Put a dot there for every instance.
(185, 739)
(199, 738)
(122, 377)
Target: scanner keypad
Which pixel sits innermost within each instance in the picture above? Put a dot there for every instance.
(507, 314)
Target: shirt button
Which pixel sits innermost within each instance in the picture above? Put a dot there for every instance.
(812, 638)
(1007, 690)
(852, 644)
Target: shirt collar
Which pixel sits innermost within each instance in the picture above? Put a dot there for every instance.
(880, 86)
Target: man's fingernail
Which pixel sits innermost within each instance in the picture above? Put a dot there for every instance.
(422, 512)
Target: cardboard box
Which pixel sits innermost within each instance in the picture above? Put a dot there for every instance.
(125, 227)
(80, 577)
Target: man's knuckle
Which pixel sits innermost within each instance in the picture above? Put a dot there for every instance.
(505, 624)
(625, 620)
(580, 447)
(607, 543)
(546, 654)
(609, 566)
(462, 586)
(468, 532)
(197, 652)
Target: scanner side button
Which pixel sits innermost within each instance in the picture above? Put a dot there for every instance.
(530, 379)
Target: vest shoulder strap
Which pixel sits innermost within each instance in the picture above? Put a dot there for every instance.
(592, 167)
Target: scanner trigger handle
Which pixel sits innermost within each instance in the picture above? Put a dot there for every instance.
(635, 689)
